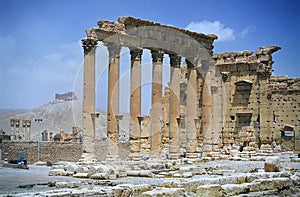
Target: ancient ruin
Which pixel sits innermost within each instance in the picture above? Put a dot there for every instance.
(20, 129)
(224, 126)
(68, 96)
(215, 103)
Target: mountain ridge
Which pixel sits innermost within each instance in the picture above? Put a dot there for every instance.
(57, 116)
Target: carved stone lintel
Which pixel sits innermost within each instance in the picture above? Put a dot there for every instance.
(136, 54)
(157, 56)
(113, 49)
(175, 60)
(225, 76)
(89, 45)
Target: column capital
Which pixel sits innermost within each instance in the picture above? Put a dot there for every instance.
(175, 60)
(113, 49)
(157, 56)
(136, 54)
(89, 45)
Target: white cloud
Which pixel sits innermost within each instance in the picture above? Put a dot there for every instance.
(215, 27)
(247, 30)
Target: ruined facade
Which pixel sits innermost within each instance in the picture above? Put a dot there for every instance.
(214, 103)
(252, 98)
(20, 129)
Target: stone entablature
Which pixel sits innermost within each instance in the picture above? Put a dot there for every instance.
(131, 32)
(263, 54)
(284, 84)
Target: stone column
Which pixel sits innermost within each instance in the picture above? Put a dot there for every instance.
(265, 112)
(12, 126)
(89, 47)
(28, 125)
(156, 108)
(113, 99)
(17, 123)
(174, 108)
(191, 109)
(24, 129)
(135, 99)
(207, 118)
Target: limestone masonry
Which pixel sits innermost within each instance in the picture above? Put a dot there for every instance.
(215, 103)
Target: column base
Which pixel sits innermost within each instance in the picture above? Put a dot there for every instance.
(266, 148)
(174, 156)
(135, 145)
(192, 155)
(112, 159)
(87, 158)
(155, 155)
(135, 156)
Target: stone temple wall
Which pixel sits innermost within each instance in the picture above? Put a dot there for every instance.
(57, 151)
(284, 95)
(49, 151)
(241, 94)
(258, 108)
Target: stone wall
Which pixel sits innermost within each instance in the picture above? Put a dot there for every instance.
(245, 79)
(49, 151)
(259, 108)
(284, 95)
(57, 151)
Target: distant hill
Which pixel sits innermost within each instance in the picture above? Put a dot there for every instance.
(57, 116)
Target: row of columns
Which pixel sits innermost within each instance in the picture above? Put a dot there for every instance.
(135, 100)
(16, 134)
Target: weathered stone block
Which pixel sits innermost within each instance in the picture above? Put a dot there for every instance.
(137, 190)
(184, 169)
(81, 175)
(100, 176)
(146, 173)
(57, 172)
(168, 192)
(71, 168)
(133, 173)
(67, 184)
(273, 183)
(82, 169)
(236, 189)
(272, 164)
(123, 191)
(187, 175)
(172, 184)
(209, 190)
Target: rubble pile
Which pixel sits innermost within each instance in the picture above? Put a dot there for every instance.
(255, 176)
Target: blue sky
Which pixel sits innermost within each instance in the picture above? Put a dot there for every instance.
(41, 54)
